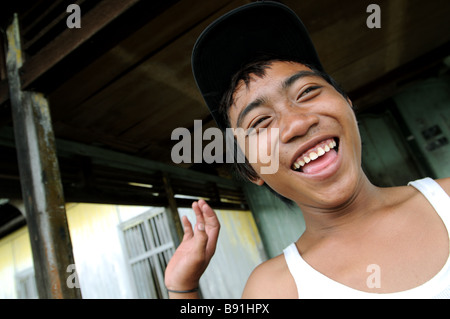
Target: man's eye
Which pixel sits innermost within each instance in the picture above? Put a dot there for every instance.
(257, 122)
(308, 91)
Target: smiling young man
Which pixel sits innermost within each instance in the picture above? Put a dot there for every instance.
(258, 71)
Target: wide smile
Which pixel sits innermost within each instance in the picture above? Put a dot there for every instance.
(317, 157)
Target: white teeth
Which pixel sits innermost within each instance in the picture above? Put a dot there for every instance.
(314, 155)
(320, 151)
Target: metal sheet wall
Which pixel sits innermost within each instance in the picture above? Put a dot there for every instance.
(239, 251)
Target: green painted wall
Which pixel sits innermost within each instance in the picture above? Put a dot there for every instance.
(278, 224)
(425, 108)
(386, 157)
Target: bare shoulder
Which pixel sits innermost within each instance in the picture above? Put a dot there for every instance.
(271, 280)
(405, 194)
(445, 184)
(409, 198)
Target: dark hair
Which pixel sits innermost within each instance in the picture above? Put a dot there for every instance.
(258, 68)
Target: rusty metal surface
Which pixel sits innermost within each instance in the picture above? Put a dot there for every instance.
(40, 179)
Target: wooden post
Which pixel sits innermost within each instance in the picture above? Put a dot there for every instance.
(40, 181)
(174, 218)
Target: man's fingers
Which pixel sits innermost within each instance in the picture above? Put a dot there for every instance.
(212, 226)
(188, 233)
(200, 235)
(200, 223)
(209, 215)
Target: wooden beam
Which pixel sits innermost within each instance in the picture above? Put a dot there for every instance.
(95, 20)
(132, 51)
(4, 93)
(40, 180)
(121, 160)
(112, 169)
(174, 218)
(116, 159)
(390, 83)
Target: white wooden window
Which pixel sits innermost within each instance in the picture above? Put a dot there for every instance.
(26, 285)
(149, 247)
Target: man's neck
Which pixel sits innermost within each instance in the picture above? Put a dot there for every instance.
(366, 199)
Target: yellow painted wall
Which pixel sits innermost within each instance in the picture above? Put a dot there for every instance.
(239, 251)
(99, 258)
(100, 262)
(102, 266)
(15, 256)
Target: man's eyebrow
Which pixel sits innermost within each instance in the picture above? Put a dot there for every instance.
(285, 85)
(297, 76)
(256, 103)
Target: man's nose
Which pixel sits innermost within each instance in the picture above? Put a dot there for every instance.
(296, 123)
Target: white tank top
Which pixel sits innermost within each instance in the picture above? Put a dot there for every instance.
(313, 284)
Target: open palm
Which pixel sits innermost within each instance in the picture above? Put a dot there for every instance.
(196, 249)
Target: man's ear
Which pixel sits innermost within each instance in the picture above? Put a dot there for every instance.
(258, 181)
(350, 102)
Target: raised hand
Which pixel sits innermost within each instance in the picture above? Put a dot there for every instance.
(195, 251)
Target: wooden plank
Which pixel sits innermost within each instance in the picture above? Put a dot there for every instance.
(161, 80)
(113, 159)
(146, 89)
(154, 251)
(356, 55)
(128, 54)
(389, 84)
(175, 225)
(70, 39)
(2, 61)
(36, 20)
(399, 46)
(87, 135)
(4, 91)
